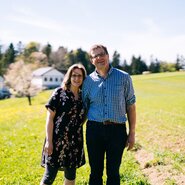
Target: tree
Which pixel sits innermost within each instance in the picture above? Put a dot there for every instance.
(116, 60)
(10, 54)
(20, 48)
(80, 56)
(0, 52)
(164, 67)
(18, 77)
(180, 62)
(39, 59)
(58, 59)
(154, 66)
(138, 65)
(7, 58)
(30, 48)
(126, 67)
(47, 50)
(1, 64)
(69, 58)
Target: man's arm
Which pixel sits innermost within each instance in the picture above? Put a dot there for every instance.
(131, 115)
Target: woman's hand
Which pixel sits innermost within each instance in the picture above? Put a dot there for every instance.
(48, 148)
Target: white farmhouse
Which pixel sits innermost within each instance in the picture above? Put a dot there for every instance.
(47, 78)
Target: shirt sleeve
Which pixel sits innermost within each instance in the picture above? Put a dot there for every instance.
(129, 92)
(53, 101)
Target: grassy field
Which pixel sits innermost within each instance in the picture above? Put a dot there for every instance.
(161, 126)
(159, 155)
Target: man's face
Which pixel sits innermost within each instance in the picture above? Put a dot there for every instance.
(99, 58)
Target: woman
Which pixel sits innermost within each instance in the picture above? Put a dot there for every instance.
(63, 147)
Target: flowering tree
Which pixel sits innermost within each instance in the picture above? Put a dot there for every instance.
(19, 76)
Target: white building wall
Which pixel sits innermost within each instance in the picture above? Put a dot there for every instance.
(51, 79)
(37, 81)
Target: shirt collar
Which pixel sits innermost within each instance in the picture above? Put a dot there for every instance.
(109, 71)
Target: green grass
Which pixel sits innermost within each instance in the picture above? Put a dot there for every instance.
(161, 119)
(160, 127)
(160, 107)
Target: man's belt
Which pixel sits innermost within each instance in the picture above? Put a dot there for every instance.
(107, 122)
(110, 123)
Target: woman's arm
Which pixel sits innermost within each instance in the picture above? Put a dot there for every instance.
(49, 132)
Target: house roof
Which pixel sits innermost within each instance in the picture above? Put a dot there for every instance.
(41, 71)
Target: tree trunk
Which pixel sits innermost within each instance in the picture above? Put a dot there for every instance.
(29, 99)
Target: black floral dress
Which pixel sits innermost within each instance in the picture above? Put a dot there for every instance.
(68, 148)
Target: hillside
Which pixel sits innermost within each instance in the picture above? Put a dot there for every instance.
(161, 127)
(158, 157)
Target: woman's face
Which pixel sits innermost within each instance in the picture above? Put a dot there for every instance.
(76, 77)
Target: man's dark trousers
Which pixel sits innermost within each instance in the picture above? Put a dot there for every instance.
(105, 139)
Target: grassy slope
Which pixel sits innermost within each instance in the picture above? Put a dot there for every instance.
(161, 122)
(160, 108)
(22, 130)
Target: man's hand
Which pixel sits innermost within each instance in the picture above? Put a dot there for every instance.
(130, 141)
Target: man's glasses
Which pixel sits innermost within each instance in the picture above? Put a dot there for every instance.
(98, 55)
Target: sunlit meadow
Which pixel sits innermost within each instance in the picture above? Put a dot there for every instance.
(160, 127)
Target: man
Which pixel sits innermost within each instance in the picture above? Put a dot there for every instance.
(108, 95)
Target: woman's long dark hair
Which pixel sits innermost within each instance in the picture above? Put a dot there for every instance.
(67, 78)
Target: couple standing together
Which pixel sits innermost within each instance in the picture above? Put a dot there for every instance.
(106, 97)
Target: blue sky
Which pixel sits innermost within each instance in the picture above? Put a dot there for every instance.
(132, 27)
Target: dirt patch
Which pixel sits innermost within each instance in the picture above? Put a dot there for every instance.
(158, 174)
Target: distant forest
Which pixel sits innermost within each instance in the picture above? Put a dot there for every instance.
(61, 59)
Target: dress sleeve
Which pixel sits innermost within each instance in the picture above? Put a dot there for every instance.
(54, 100)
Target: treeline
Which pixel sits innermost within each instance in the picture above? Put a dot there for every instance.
(61, 59)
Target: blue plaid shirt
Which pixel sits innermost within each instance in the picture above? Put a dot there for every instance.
(107, 98)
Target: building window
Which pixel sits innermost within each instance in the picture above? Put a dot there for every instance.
(51, 79)
(56, 79)
(45, 79)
